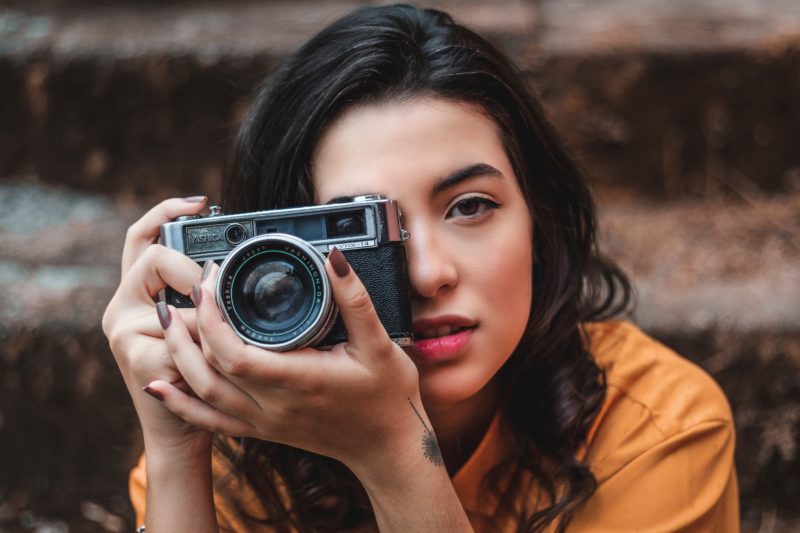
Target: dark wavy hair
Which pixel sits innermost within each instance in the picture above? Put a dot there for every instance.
(553, 389)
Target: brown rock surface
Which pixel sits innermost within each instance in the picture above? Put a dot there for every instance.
(662, 98)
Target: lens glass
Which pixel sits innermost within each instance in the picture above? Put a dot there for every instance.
(273, 292)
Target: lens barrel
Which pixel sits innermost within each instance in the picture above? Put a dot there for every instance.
(274, 292)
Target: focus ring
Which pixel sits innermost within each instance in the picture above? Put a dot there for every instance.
(264, 280)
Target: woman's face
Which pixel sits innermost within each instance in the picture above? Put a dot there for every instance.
(469, 255)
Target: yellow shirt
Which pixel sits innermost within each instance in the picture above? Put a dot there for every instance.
(661, 450)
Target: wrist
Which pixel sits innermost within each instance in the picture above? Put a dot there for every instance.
(173, 451)
(410, 489)
(398, 469)
(179, 487)
(409, 450)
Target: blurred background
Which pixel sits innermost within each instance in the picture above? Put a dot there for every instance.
(685, 114)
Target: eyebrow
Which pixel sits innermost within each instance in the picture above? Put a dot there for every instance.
(463, 174)
(451, 180)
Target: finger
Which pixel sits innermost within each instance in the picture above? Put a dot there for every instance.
(146, 230)
(197, 412)
(227, 352)
(156, 268)
(145, 359)
(147, 323)
(203, 379)
(365, 332)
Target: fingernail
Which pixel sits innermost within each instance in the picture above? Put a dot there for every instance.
(339, 263)
(195, 199)
(163, 314)
(207, 269)
(197, 294)
(154, 393)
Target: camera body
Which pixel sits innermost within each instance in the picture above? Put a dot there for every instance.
(272, 287)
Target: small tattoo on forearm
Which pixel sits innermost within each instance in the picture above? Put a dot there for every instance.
(430, 446)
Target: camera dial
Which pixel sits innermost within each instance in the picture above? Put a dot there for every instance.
(183, 218)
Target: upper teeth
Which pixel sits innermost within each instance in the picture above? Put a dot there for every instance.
(439, 331)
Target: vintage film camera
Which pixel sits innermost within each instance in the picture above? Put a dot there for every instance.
(272, 287)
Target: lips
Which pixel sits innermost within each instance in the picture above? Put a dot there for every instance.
(441, 337)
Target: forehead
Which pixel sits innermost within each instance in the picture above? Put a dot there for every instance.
(401, 147)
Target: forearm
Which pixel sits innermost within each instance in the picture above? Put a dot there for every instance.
(420, 499)
(409, 487)
(179, 489)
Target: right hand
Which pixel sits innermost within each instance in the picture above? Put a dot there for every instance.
(132, 327)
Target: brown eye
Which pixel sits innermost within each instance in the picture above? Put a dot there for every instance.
(469, 206)
(472, 207)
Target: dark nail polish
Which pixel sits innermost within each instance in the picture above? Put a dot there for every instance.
(154, 393)
(197, 294)
(339, 263)
(195, 199)
(207, 269)
(164, 315)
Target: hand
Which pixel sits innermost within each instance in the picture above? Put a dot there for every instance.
(351, 403)
(132, 327)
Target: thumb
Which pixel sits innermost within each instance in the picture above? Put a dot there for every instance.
(365, 332)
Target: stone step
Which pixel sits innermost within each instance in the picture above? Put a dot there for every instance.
(668, 100)
(719, 280)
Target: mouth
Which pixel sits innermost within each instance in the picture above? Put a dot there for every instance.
(441, 338)
(441, 331)
(441, 326)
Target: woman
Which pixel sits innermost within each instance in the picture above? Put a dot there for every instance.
(516, 409)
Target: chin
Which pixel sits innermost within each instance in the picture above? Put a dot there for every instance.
(447, 386)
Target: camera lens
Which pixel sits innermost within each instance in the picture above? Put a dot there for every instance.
(273, 291)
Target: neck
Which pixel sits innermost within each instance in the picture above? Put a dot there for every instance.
(460, 426)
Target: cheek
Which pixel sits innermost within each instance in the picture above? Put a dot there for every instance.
(507, 283)
(501, 266)
(499, 269)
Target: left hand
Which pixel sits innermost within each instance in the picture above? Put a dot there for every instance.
(350, 403)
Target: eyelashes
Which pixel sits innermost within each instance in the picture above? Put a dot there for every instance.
(472, 208)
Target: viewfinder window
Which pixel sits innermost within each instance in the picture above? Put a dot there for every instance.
(345, 224)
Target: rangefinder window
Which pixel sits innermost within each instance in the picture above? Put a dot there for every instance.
(309, 228)
(346, 224)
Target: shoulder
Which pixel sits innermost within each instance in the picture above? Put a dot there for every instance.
(647, 379)
(662, 445)
(654, 396)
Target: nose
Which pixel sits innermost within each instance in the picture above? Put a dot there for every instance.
(431, 267)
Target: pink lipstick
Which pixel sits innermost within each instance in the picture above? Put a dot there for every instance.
(441, 338)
